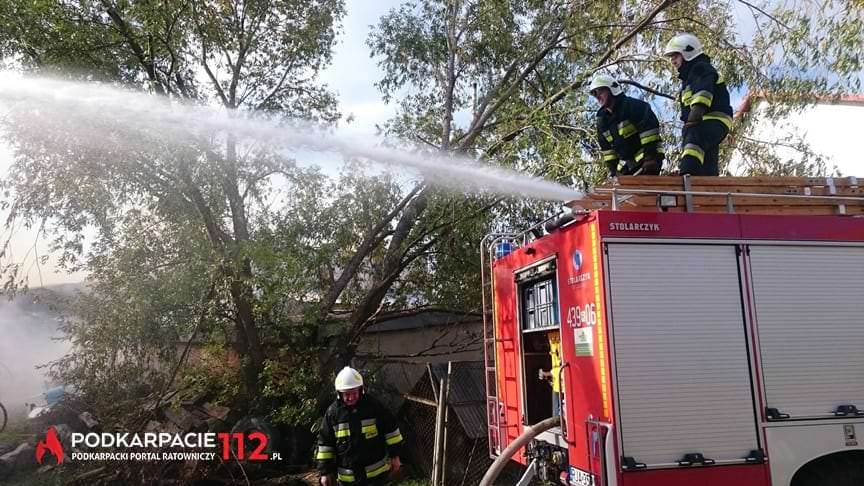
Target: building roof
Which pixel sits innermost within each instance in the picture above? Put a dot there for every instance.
(467, 394)
(752, 98)
(422, 318)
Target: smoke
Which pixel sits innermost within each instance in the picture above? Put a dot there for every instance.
(28, 332)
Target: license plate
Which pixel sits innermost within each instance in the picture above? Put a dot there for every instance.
(579, 477)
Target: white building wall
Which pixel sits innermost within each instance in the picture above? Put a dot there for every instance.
(834, 131)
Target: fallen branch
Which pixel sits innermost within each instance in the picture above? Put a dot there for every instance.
(646, 88)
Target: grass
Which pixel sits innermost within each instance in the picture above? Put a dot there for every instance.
(17, 430)
(412, 482)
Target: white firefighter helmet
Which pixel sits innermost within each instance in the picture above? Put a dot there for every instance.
(685, 44)
(348, 379)
(605, 81)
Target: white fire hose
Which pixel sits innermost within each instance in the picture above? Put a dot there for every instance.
(521, 441)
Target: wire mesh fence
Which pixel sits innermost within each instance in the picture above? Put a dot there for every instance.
(466, 451)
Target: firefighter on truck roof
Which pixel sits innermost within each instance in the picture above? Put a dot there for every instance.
(359, 440)
(705, 108)
(627, 130)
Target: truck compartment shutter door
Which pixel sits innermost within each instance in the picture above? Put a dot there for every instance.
(809, 304)
(681, 358)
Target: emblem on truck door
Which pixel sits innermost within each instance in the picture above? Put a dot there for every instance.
(577, 278)
(577, 260)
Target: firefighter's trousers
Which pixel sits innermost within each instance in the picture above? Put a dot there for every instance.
(701, 148)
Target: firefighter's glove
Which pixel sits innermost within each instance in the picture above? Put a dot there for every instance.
(631, 167)
(649, 165)
(327, 480)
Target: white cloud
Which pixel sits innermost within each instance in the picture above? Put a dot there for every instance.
(353, 73)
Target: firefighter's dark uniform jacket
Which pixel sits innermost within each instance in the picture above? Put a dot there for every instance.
(703, 89)
(629, 134)
(356, 443)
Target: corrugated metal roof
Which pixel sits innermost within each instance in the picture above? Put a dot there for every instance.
(423, 319)
(467, 394)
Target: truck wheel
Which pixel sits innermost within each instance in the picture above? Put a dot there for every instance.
(841, 469)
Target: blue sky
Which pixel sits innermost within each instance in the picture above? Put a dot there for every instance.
(352, 73)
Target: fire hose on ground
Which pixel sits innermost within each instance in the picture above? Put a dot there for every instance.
(521, 441)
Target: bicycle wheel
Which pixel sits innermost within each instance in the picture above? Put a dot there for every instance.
(3, 417)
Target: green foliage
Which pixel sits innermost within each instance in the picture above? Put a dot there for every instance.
(213, 373)
(291, 384)
(436, 50)
(176, 217)
(235, 245)
(413, 482)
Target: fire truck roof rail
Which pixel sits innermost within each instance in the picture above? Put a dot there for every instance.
(756, 195)
(570, 213)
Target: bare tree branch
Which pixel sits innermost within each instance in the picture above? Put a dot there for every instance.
(605, 57)
(123, 28)
(466, 317)
(775, 19)
(370, 241)
(580, 80)
(480, 121)
(646, 88)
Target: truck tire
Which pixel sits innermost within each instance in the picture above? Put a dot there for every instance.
(841, 469)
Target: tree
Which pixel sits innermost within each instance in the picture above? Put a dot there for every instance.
(258, 56)
(226, 253)
(497, 80)
(504, 80)
(531, 113)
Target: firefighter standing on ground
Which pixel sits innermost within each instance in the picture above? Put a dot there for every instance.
(627, 130)
(359, 439)
(705, 108)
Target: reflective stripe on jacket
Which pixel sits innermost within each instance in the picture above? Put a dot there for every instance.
(630, 131)
(357, 442)
(701, 84)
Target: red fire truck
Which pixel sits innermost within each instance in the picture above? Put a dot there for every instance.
(696, 349)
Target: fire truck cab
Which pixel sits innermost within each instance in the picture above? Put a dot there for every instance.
(709, 349)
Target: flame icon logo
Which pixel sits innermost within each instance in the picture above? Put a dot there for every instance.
(50, 444)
